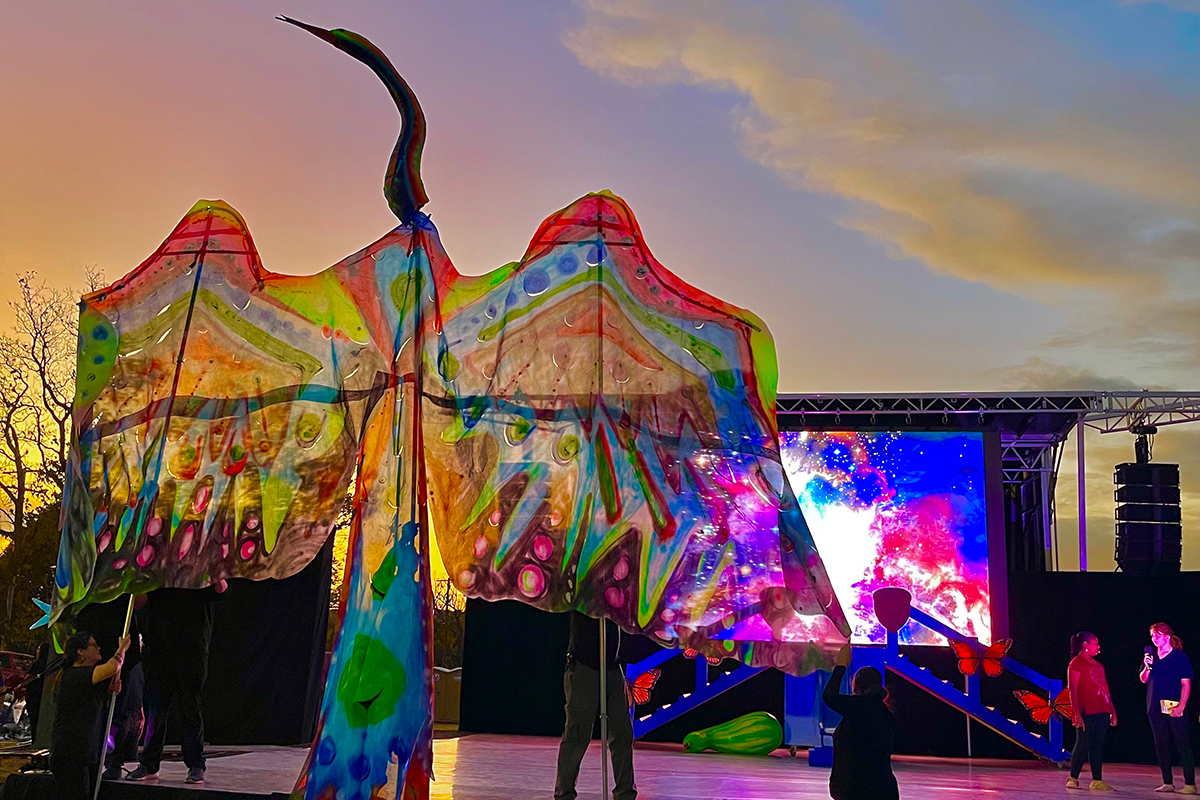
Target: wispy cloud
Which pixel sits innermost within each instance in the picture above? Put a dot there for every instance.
(1163, 332)
(1095, 190)
(1040, 375)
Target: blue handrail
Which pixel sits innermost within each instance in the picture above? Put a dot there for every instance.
(702, 692)
(1048, 747)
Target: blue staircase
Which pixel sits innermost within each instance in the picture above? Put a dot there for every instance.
(1048, 747)
(702, 693)
(889, 657)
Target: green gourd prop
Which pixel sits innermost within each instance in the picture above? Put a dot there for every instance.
(753, 734)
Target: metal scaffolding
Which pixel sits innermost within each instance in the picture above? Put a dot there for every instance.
(1033, 427)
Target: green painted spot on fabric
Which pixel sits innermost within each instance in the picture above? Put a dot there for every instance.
(277, 494)
(371, 683)
(98, 346)
(448, 366)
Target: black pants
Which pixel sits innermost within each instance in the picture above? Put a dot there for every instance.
(127, 718)
(181, 682)
(582, 687)
(1089, 744)
(1165, 728)
(74, 776)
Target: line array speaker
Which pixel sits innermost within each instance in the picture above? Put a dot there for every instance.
(1149, 518)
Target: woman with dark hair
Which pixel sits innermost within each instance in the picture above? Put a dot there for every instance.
(77, 740)
(1167, 673)
(862, 742)
(1092, 707)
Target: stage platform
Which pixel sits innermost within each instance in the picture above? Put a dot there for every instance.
(487, 767)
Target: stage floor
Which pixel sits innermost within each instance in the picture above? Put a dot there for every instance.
(487, 767)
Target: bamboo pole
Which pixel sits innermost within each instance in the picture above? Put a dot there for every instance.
(112, 707)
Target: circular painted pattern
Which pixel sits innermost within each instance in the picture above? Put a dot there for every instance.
(543, 547)
(531, 581)
(308, 429)
(621, 569)
(200, 501)
(566, 447)
(360, 768)
(326, 751)
(536, 282)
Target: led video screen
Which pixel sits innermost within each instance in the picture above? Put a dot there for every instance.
(898, 509)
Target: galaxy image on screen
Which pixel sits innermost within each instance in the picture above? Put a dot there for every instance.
(898, 509)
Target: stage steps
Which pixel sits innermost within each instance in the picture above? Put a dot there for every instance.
(703, 692)
(1048, 747)
(889, 657)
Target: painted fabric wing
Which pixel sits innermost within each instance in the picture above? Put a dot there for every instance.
(215, 421)
(603, 438)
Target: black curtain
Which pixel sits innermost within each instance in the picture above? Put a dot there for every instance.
(512, 678)
(266, 661)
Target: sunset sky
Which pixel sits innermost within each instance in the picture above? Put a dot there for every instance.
(933, 196)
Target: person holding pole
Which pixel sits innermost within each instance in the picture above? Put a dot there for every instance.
(82, 697)
(581, 684)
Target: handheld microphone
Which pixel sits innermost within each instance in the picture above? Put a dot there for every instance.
(1150, 652)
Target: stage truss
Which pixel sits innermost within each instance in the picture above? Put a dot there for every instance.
(1033, 427)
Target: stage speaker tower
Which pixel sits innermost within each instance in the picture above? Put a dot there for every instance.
(1149, 519)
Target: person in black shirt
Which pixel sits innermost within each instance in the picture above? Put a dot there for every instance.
(83, 691)
(175, 666)
(1167, 673)
(862, 741)
(106, 622)
(582, 687)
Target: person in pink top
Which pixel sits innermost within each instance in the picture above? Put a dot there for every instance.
(1092, 707)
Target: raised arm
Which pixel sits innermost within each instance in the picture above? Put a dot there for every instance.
(109, 668)
(832, 695)
(1147, 660)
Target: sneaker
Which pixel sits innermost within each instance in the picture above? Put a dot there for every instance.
(112, 773)
(141, 774)
(1072, 783)
(1189, 788)
(1099, 786)
(195, 775)
(1166, 787)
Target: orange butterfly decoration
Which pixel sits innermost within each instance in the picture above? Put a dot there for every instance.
(1040, 708)
(970, 659)
(690, 653)
(642, 685)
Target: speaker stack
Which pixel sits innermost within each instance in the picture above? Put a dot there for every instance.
(1149, 519)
